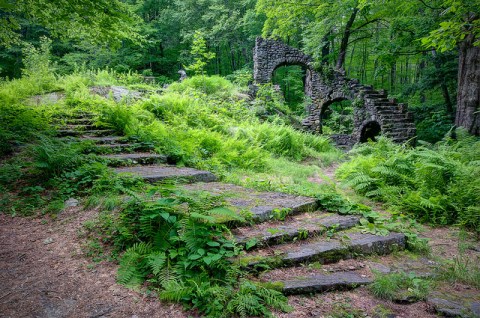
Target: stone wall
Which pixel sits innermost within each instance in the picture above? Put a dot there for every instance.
(369, 105)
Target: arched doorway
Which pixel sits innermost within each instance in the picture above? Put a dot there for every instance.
(291, 79)
(336, 117)
(369, 131)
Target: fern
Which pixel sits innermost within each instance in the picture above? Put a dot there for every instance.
(156, 261)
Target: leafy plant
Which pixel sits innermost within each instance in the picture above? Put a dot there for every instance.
(179, 245)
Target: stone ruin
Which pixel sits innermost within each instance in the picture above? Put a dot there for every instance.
(374, 112)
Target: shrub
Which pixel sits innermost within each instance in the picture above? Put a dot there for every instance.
(437, 184)
(210, 85)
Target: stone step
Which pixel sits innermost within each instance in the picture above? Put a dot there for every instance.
(376, 97)
(323, 251)
(157, 173)
(320, 283)
(294, 227)
(123, 159)
(105, 140)
(263, 206)
(79, 133)
(121, 148)
(80, 121)
(82, 115)
(80, 127)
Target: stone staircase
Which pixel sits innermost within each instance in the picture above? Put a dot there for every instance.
(394, 118)
(286, 234)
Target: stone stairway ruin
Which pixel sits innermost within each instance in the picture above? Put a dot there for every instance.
(290, 238)
(374, 112)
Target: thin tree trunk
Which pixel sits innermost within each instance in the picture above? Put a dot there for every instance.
(346, 37)
(468, 97)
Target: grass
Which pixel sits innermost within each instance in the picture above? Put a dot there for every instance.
(400, 287)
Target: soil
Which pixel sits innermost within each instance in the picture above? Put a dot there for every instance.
(44, 273)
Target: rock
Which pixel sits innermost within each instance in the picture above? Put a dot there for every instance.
(156, 173)
(71, 202)
(263, 205)
(322, 283)
(476, 309)
(449, 308)
(48, 241)
(377, 267)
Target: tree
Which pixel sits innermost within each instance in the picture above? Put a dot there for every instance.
(461, 27)
(200, 54)
(99, 21)
(318, 21)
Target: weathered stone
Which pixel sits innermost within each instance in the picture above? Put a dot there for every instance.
(158, 173)
(446, 308)
(323, 90)
(118, 93)
(134, 158)
(328, 251)
(71, 202)
(324, 283)
(79, 133)
(104, 140)
(288, 230)
(262, 205)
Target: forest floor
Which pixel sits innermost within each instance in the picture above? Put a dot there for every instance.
(46, 272)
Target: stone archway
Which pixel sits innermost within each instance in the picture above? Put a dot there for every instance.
(370, 105)
(369, 131)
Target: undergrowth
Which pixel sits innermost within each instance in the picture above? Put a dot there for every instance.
(437, 184)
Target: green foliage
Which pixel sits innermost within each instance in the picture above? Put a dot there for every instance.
(400, 286)
(179, 244)
(19, 124)
(435, 184)
(97, 20)
(212, 85)
(52, 157)
(200, 54)
(462, 269)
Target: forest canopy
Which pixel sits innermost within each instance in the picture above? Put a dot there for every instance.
(416, 49)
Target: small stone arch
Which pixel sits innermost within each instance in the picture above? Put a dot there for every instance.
(369, 131)
(370, 105)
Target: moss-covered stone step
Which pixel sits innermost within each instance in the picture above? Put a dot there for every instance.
(80, 121)
(122, 148)
(323, 250)
(294, 227)
(116, 160)
(105, 140)
(262, 205)
(323, 283)
(157, 173)
(81, 127)
(80, 133)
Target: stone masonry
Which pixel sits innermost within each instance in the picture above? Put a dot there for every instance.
(374, 112)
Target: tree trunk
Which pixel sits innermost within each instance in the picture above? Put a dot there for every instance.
(346, 37)
(468, 98)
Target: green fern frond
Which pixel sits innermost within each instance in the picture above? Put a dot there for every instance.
(156, 261)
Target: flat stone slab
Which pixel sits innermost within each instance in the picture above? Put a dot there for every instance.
(295, 227)
(156, 173)
(323, 283)
(262, 205)
(134, 158)
(105, 140)
(455, 305)
(118, 93)
(325, 251)
(79, 133)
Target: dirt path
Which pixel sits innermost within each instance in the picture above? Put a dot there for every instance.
(44, 274)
